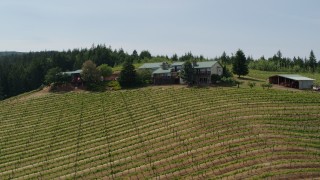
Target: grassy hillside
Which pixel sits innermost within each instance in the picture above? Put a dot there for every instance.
(162, 132)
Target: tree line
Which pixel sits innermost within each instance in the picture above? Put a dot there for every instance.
(278, 63)
(23, 72)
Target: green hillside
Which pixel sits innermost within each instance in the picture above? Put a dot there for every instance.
(169, 132)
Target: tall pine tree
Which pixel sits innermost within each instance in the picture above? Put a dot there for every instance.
(128, 74)
(240, 65)
(187, 72)
(312, 62)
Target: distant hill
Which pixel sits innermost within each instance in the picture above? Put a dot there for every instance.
(9, 53)
(161, 133)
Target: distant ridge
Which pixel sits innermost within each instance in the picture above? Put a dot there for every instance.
(9, 53)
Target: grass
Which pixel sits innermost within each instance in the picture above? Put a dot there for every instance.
(162, 132)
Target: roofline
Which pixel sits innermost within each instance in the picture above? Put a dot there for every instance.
(283, 75)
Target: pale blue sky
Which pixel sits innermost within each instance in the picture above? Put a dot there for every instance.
(207, 27)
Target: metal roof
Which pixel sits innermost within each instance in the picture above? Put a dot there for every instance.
(162, 71)
(150, 65)
(177, 63)
(295, 77)
(79, 71)
(205, 64)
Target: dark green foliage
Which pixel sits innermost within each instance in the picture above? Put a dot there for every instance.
(187, 72)
(266, 85)
(2, 95)
(105, 70)
(215, 78)
(251, 84)
(96, 87)
(128, 75)
(224, 59)
(21, 72)
(114, 85)
(228, 81)
(135, 56)
(144, 77)
(187, 57)
(174, 57)
(240, 66)
(52, 75)
(226, 72)
(90, 73)
(145, 55)
(312, 62)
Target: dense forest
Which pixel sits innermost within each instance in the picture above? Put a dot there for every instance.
(22, 72)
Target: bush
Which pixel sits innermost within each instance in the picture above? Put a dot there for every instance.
(266, 85)
(228, 81)
(144, 77)
(97, 87)
(105, 70)
(114, 85)
(215, 78)
(251, 84)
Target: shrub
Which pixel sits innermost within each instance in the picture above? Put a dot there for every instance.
(251, 84)
(114, 85)
(144, 77)
(228, 81)
(215, 78)
(105, 70)
(97, 87)
(266, 85)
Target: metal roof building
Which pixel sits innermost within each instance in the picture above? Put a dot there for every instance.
(292, 80)
(204, 64)
(153, 66)
(79, 71)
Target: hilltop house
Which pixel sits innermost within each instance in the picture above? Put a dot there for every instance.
(150, 66)
(75, 76)
(164, 73)
(204, 70)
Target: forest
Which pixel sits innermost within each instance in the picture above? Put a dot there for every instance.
(23, 72)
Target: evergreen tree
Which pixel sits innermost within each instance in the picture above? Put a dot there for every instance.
(135, 55)
(52, 75)
(174, 57)
(145, 55)
(224, 59)
(312, 61)
(128, 74)
(240, 66)
(187, 72)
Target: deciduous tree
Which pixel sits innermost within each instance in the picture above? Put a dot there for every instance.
(90, 73)
(105, 70)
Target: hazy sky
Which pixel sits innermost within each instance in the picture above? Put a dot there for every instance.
(207, 27)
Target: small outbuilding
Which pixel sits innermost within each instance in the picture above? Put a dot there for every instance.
(292, 80)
